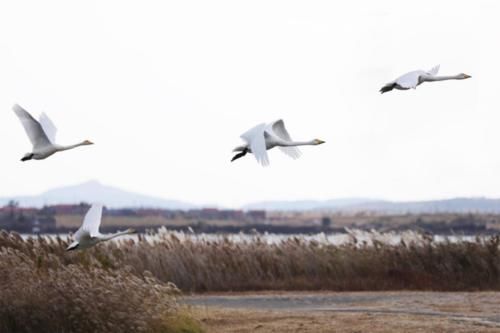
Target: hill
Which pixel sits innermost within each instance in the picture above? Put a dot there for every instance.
(93, 191)
(456, 205)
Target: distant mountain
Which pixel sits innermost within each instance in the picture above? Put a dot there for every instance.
(113, 197)
(301, 205)
(94, 191)
(458, 205)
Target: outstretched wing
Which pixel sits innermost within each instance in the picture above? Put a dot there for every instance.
(409, 80)
(91, 222)
(32, 127)
(434, 70)
(257, 142)
(279, 129)
(48, 127)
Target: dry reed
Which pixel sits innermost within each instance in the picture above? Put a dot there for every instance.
(221, 264)
(42, 289)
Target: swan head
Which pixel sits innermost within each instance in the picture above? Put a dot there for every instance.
(463, 76)
(131, 231)
(73, 246)
(318, 141)
(87, 142)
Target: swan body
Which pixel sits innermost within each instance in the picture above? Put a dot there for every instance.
(264, 137)
(412, 79)
(88, 235)
(42, 135)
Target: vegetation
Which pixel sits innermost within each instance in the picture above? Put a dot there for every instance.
(44, 290)
(197, 263)
(129, 285)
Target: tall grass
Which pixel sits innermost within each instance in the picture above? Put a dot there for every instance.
(44, 290)
(222, 264)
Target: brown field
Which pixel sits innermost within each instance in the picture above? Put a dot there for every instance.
(383, 312)
(338, 220)
(222, 321)
(75, 221)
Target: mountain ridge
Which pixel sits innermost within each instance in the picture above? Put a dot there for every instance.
(114, 197)
(458, 204)
(94, 191)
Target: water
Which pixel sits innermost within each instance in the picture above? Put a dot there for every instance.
(358, 236)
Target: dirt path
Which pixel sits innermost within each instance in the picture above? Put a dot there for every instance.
(350, 312)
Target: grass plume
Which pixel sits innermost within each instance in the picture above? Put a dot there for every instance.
(42, 289)
(195, 263)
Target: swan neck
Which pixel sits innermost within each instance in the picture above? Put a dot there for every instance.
(61, 148)
(443, 77)
(116, 234)
(299, 143)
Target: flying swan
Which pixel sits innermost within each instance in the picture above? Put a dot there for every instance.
(415, 78)
(42, 135)
(267, 136)
(88, 235)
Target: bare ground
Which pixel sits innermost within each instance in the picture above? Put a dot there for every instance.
(349, 312)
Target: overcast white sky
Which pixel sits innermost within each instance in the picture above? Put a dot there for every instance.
(165, 88)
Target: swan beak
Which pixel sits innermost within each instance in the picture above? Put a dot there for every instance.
(467, 76)
(320, 142)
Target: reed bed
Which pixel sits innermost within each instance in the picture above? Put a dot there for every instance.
(372, 261)
(42, 289)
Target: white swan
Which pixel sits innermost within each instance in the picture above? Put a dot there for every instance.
(42, 135)
(88, 235)
(415, 78)
(267, 136)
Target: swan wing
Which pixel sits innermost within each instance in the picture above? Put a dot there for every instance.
(91, 222)
(278, 128)
(32, 127)
(257, 142)
(409, 80)
(48, 127)
(434, 70)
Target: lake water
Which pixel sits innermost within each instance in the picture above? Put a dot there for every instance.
(359, 236)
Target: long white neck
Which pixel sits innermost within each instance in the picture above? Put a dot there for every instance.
(116, 234)
(297, 143)
(61, 148)
(432, 78)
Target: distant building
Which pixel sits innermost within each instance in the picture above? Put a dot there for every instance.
(215, 214)
(26, 220)
(256, 215)
(79, 209)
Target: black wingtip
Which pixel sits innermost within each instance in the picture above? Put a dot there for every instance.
(235, 157)
(384, 90)
(387, 87)
(27, 158)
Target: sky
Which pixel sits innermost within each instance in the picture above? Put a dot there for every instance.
(165, 88)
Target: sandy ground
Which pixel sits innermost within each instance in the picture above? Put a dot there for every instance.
(349, 312)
